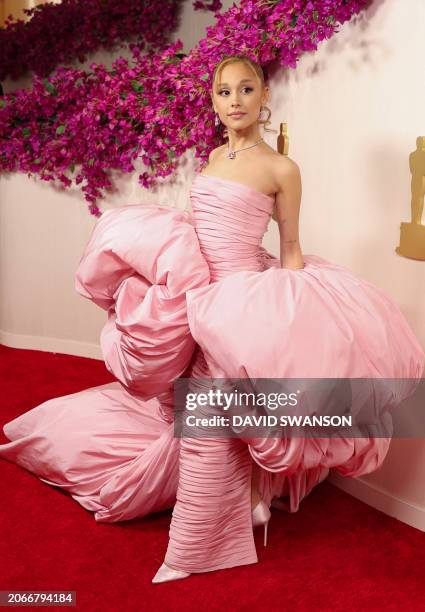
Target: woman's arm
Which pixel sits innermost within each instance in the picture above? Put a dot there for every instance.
(288, 201)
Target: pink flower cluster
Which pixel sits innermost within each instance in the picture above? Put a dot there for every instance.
(81, 126)
(60, 33)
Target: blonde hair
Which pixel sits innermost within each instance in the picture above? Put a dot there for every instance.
(258, 71)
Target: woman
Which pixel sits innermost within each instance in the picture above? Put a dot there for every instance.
(198, 297)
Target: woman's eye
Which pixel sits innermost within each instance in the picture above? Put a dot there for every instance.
(226, 90)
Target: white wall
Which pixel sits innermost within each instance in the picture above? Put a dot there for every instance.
(354, 110)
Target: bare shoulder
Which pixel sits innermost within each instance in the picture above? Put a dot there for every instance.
(216, 152)
(285, 169)
(287, 177)
(287, 173)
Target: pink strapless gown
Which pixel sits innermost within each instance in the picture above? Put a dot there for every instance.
(197, 295)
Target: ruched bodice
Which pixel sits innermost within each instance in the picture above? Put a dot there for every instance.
(230, 220)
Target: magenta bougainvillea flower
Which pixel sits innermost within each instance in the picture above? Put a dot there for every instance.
(81, 126)
(61, 33)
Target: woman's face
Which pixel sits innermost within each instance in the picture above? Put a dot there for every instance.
(238, 89)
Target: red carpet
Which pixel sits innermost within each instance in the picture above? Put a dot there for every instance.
(335, 554)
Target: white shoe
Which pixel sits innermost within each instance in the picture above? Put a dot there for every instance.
(261, 516)
(165, 574)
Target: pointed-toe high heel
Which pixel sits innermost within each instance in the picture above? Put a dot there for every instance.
(260, 516)
(165, 574)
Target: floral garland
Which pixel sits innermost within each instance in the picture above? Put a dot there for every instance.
(60, 33)
(155, 108)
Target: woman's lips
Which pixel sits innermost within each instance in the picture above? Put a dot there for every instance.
(237, 115)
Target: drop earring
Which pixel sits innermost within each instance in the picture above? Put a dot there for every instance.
(269, 113)
(217, 120)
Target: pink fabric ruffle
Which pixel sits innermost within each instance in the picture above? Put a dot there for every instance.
(139, 263)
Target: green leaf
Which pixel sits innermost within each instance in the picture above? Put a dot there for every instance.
(315, 15)
(264, 37)
(72, 167)
(123, 95)
(2, 103)
(26, 132)
(60, 130)
(294, 20)
(205, 76)
(50, 87)
(136, 86)
(91, 161)
(331, 19)
(38, 160)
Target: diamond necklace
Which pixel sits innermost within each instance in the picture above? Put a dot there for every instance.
(232, 154)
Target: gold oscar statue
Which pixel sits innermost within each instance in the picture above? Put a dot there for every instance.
(412, 235)
(282, 139)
